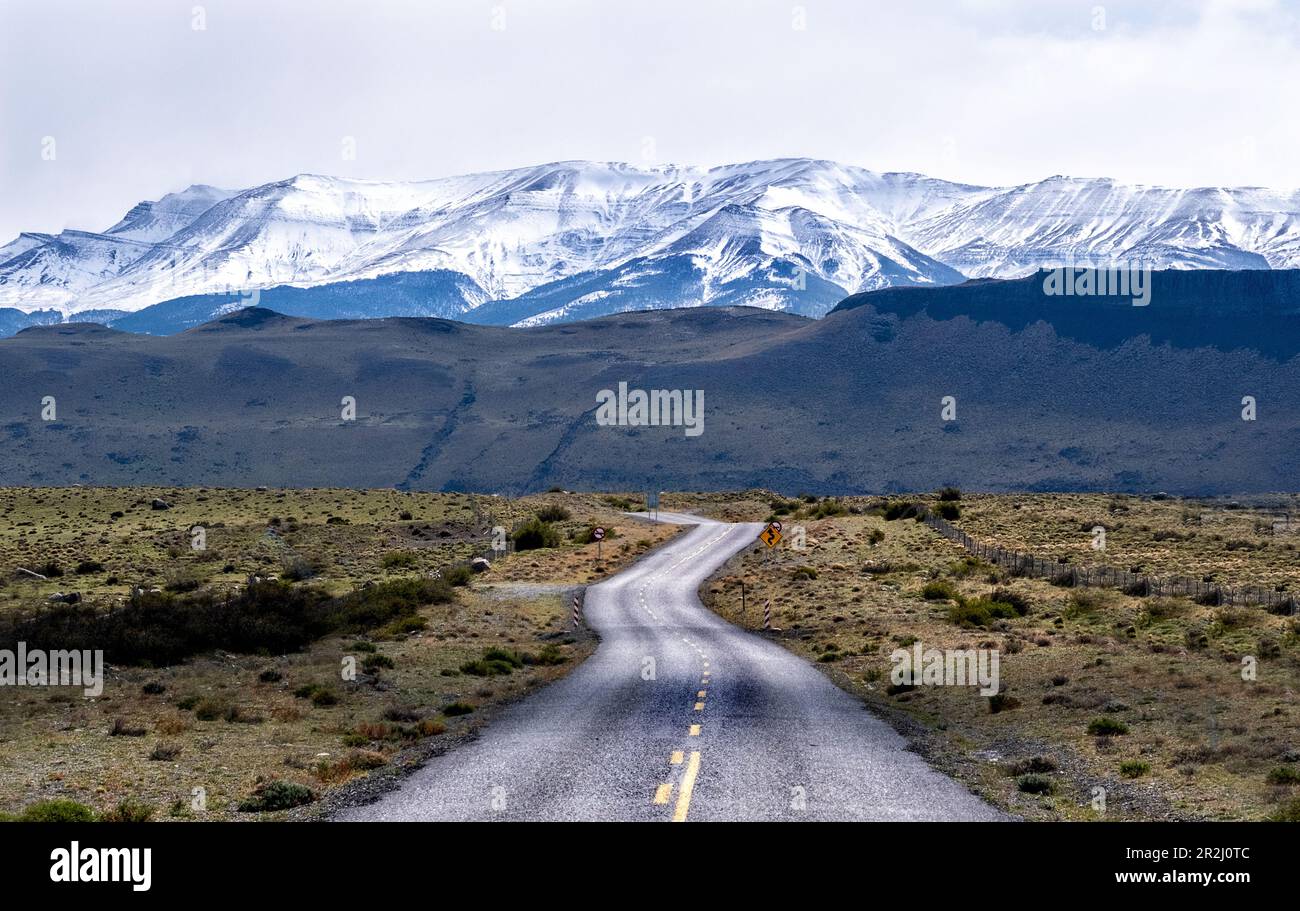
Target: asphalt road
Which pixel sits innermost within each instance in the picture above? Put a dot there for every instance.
(680, 716)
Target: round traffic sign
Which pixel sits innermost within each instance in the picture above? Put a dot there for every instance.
(598, 534)
(774, 525)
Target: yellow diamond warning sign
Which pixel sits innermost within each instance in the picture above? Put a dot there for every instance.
(771, 535)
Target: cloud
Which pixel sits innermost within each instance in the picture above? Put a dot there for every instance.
(989, 91)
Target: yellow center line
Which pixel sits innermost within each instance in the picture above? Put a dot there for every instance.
(688, 786)
(663, 792)
(695, 730)
(677, 757)
(701, 693)
(699, 706)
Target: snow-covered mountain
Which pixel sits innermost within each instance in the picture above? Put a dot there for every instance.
(578, 239)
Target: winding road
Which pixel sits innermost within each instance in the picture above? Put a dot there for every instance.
(680, 716)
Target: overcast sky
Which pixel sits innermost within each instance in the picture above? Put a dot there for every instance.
(140, 100)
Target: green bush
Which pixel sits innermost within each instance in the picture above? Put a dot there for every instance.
(1107, 727)
(1016, 601)
(1036, 784)
(1287, 812)
(323, 697)
(129, 810)
(980, 612)
(549, 655)
(1134, 768)
(399, 559)
(496, 662)
(534, 535)
(900, 510)
(276, 795)
(553, 512)
(940, 591)
(949, 494)
(1283, 775)
(373, 664)
(457, 708)
(827, 509)
(949, 511)
(1032, 765)
(58, 810)
(1002, 702)
(803, 572)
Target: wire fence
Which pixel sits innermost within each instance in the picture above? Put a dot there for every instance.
(1141, 584)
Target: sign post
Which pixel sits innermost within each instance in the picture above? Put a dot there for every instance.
(599, 535)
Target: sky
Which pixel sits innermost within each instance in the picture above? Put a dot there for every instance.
(103, 104)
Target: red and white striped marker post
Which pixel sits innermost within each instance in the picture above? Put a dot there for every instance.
(767, 614)
(577, 612)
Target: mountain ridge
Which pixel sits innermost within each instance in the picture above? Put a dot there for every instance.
(752, 233)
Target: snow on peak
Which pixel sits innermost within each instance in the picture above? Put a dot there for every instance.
(513, 232)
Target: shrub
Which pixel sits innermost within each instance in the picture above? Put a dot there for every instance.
(1036, 784)
(121, 729)
(900, 510)
(940, 590)
(210, 709)
(276, 795)
(402, 626)
(458, 575)
(457, 708)
(827, 509)
(1283, 775)
(980, 612)
(129, 810)
(58, 810)
(88, 568)
(162, 628)
(323, 697)
(553, 512)
(165, 752)
(354, 762)
(401, 713)
(153, 688)
(548, 656)
(949, 494)
(172, 724)
(299, 569)
(399, 559)
(1287, 812)
(1016, 601)
(270, 675)
(1134, 768)
(1086, 601)
(949, 511)
(1103, 726)
(1033, 765)
(803, 572)
(534, 535)
(1002, 702)
(374, 663)
(496, 662)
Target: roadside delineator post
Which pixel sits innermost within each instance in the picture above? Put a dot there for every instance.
(577, 611)
(767, 614)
